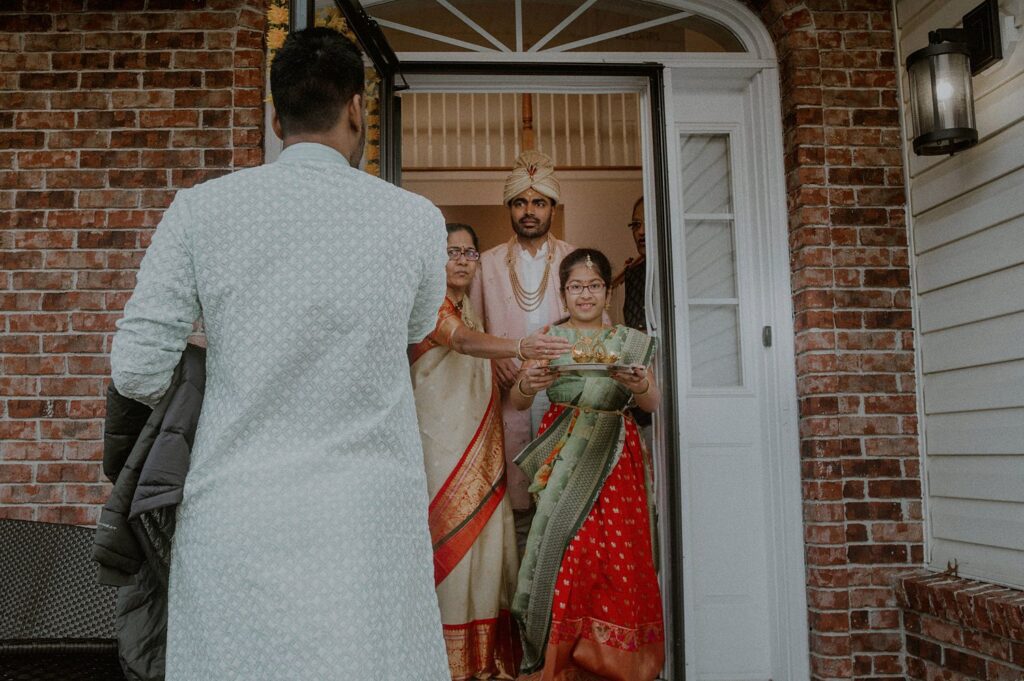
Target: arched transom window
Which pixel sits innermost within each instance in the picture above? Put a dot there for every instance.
(547, 26)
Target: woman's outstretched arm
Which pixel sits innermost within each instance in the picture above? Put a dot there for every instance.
(467, 341)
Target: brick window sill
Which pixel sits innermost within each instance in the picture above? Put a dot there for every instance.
(970, 628)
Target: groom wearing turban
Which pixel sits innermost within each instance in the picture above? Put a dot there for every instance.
(516, 290)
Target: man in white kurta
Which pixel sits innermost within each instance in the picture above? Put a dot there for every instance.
(302, 549)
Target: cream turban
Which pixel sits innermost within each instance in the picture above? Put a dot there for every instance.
(533, 170)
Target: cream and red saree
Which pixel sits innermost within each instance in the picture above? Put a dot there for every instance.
(475, 558)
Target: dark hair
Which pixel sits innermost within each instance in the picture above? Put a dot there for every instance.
(579, 256)
(314, 75)
(637, 205)
(453, 227)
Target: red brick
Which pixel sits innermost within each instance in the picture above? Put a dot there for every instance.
(70, 387)
(12, 344)
(174, 158)
(96, 365)
(110, 80)
(889, 489)
(28, 365)
(74, 179)
(22, 140)
(67, 472)
(81, 61)
(48, 81)
(112, 41)
(17, 512)
(30, 451)
(107, 198)
(44, 120)
(87, 494)
(176, 40)
(77, 260)
(67, 429)
(143, 99)
(78, 139)
(80, 100)
(172, 79)
(88, 409)
(93, 321)
(964, 662)
(877, 553)
(31, 494)
(69, 515)
(64, 343)
(83, 450)
(15, 473)
(874, 510)
(137, 178)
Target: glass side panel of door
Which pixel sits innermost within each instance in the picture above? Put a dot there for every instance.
(712, 290)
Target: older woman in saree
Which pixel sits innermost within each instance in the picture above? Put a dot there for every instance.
(471, 526)
(587, 599)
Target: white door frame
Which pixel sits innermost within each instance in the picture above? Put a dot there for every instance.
(756, 72)
(790, 644)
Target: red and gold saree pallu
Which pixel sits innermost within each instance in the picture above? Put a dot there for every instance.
(475, 559)
(587, 600)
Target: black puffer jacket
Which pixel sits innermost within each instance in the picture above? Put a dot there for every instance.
(146, 453)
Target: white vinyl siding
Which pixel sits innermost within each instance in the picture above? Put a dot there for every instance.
(968, 237)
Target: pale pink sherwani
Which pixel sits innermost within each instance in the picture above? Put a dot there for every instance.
(492, 295)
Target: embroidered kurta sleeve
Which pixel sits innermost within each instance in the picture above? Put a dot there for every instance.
(159, 316)
(431, 289)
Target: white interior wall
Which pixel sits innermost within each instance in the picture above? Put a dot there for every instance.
(598, 203)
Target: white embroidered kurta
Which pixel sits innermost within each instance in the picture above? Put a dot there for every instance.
(302, 549)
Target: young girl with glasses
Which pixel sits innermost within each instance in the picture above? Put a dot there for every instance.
(587, 600)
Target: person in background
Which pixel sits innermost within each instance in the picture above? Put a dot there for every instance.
(302, 549)
(632, 280)
(470, 517)
(517, 293)
(587, 601)
(629, 287)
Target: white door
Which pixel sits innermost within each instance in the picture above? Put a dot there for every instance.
(742, 547)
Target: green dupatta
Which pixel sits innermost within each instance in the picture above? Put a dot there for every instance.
(568, 465)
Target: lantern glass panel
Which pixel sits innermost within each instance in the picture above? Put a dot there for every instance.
(921, 105)
(953, 94)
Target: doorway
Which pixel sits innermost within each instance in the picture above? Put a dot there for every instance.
(718, 296)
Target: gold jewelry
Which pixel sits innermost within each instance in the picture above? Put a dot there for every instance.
(591, 349)
(590, 263)
(519, 351)
(646, 390)
(528, 301)
(519, 389)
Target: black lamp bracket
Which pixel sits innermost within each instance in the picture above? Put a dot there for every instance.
(980, 33)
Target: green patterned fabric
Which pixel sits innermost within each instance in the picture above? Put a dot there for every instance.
(586, 441)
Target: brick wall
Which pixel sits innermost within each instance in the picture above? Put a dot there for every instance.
(960, 629)
(105, 112)
(854, 342)
(106, 108)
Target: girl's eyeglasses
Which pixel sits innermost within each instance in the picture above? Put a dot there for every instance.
(576, 289)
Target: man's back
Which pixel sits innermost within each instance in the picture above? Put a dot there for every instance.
(305, 504)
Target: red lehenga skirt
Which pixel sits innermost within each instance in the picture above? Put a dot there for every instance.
(606, 615)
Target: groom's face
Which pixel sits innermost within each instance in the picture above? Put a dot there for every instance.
(531, 214)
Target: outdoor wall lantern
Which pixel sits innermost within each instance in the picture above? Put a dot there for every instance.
(941, 96)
